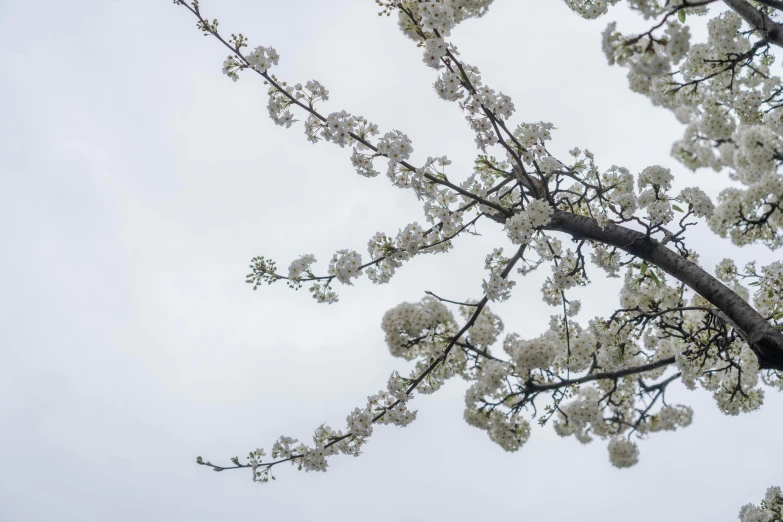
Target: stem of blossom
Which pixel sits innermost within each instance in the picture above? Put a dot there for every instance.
(660, 385)
(765, 341)
(448, 300)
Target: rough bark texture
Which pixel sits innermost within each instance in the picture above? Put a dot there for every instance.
(765, 340)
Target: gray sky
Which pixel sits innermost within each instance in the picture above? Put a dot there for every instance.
(137, 183)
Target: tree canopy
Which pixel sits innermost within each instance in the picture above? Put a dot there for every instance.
(717, 328)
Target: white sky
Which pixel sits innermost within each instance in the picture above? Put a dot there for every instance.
(138, 182)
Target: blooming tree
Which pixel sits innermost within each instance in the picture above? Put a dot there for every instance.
(570, 216)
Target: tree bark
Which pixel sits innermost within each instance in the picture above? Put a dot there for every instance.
(764, 339)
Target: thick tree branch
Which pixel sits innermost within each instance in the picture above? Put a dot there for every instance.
(764, 339)
(772, 31)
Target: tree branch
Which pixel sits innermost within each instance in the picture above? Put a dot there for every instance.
(764, 339)
(604, 375)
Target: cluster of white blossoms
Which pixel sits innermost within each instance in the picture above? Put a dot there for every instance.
(437, 209)
(398, 387)
(338, 127)
(521, 226)
(590, 8)
(345, 265)
(485, 329)
(668, 418)
(751, 215)
(360, 422)
(679, 41)
(497, 288)
(363, 164)
(566, 274)
(323, 293)
(644, 59)
(448, 85)
(623, 453)
(654, 182)
(756, 151)
(770, 510)
(312, 458)
(769, 293)
(533, 354)
(736, 390)
(415, 329)
(280, 101)
(425, 331)
(622, 195)
(582, 416)
(315, 89)
(656, 176)
(301, 265)
(279, 104)
(262, 58)
(508, 429)
(646, 289)
(434, 50)
(606, 258)
(768, 284)
(392, 253)
(699, 202)
(396, 146)
(607, 196)
(409, 240)
(230, 67)
(457, 11)
(435, 16)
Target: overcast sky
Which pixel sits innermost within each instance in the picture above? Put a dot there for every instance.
(137, 184)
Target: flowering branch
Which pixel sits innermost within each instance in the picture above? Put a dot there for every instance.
(597, 377)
